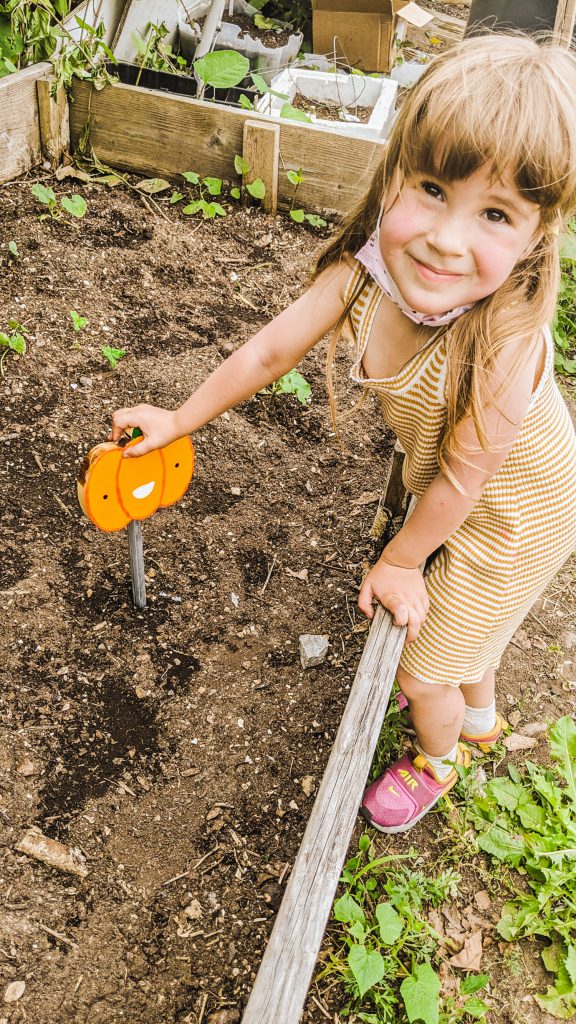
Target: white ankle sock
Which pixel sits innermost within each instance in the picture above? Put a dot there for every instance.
(479, 721)
(442, 770)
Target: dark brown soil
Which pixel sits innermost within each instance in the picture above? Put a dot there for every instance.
(331, 111)
(271, 38)
(171, 745)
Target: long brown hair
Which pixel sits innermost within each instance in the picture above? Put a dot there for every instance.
(508, 103)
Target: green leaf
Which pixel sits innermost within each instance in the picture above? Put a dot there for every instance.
(256, 188)
(561, 1006)
(235, 193)
(357, 932)
(214, 185)
(297, 215)
(570, 963)
(136, 432)
(294, 383)
(473, 983)
(218, 210)
(260, 82)
(17, 343)
(295, 177)
(267, 24)
(476, 1008)
(109, 179)
(568, 246)
(241, 166)
(503, 845)
(420, 992)
(294, 114)
(175, 198)
(74, 205)
(192, 177)
(506, 792)
(245, 103)
(222, 69)
(367, 967)
(78, 322)
(563, 747)
(113, 355)
(346, 909)
(43, 194)
(390, 923)
(364, 842)
(152, 185)
(315, 221)
(194, 207)
(13, 249)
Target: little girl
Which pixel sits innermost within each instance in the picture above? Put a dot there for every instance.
(447, 275)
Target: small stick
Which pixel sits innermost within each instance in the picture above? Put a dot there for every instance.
(57, 935)
(137, 563)
(267, 580)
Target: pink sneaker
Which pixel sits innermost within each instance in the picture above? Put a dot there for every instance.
(406, 792)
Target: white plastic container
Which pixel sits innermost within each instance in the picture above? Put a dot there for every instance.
(266, 60)
(344, 91)
(409, 71)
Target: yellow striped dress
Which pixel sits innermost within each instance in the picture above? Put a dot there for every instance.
(488, 574)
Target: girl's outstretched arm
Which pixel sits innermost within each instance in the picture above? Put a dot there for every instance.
(271, 353)
(395, 579)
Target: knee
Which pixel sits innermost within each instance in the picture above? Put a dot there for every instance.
(417, 691)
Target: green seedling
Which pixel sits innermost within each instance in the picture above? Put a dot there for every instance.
(155, 53)
(12, 340)
(299, 216)
(113, 355)
(267, 24)
(78, 322)
(75, 205)
(13, 250)
(255, 188)
(207, 208)
(292, 383)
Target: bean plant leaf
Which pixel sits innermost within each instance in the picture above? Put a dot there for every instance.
(256, 188)
(420, 992)
(295, 177)
(315, 221)
(367, 967)
(563, 747)
(241, 166)
(152, 185)
(294, 114)
(191, 177)
(13, 249)
(235, 193)
(193, 208)
(43, 194)
(113, 355)
(244, 102)
(390, 923)
(346, 909)
(214, 185)
(294, 383)
(175, 198)
(222, 69)
(76, 206)
(298, 216)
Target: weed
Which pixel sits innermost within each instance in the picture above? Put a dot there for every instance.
(527, 823)
(564, 323)
(12, 340)
(113, 355)
(78, 322)
(292, 383)
(75, 205)
(385, 946)
(155, 53)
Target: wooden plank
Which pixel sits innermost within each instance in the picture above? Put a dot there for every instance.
(54, 121)
(282, 982)
(20, 146)
(148, 131)
(261, 149)
(137, 570)
(281, 985)
(565, 21)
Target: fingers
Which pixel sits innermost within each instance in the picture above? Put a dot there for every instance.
(122, 420)
(366, 599)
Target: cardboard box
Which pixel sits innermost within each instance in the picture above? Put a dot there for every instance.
(363, 32)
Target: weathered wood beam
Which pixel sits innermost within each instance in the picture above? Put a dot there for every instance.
(54, 121)
(565, 21)
(20, 144)
(261, 149)
(148, 131)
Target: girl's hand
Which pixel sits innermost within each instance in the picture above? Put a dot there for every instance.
(401, 591)
(158, 426)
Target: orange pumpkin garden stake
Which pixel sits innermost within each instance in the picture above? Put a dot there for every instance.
(115, 492)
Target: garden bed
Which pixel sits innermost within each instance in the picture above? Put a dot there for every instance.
(180, 748)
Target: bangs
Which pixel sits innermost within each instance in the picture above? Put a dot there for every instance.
(451, 126)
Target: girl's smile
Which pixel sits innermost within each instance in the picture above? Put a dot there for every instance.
(449, 244)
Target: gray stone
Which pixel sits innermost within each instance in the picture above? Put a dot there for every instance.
(313, 649)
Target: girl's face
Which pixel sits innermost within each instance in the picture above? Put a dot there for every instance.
(449, 244)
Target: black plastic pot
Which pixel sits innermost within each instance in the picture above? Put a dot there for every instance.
(180, 85)
(501, 15)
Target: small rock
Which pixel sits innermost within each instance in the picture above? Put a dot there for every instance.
(301, 574)
(235, 491)
(86, 381)
(568, 640)
(26, 767)
(194, 911)
(308, 785)
(313, 649)
(214, 813)
(14, 991)
(224, 1017)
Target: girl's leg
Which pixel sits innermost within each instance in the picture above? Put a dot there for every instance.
(480, 695)
(480, 718)
(437, 712)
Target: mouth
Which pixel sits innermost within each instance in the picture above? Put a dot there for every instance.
(144, 490)
(430, 273)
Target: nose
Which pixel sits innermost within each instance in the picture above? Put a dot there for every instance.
(448, 234)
